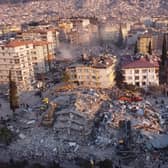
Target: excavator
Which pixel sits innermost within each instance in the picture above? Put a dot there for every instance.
(48, 118)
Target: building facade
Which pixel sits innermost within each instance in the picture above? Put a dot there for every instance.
(100, 73)
(25, 59)
(143, 43)
(141, 73)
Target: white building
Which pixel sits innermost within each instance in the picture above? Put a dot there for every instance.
(141, 73)
(25, 59)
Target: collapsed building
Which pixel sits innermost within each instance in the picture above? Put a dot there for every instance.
(73, 118)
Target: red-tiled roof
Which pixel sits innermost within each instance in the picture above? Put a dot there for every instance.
(141, 63)
(16, 43)
(40, 43)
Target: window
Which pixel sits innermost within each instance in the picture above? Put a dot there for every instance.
(130, 71)
(144, 77)
(136, 71)
(136, 77)
(16, 61)
(129, 77)
(137, 83)
(143, 83)
(19, 72)
(20, 78)
(34, 58)
(144, 71)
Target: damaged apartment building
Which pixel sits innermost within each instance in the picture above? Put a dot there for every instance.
(93, 72)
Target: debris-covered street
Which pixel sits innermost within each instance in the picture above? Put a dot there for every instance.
(91, 124)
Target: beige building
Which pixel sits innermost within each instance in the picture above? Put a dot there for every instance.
(50, 35)
(42, 56)
(141, 73)
(98, 72)
(25, 59)
(143, 43)
(156, 39)
(16, 56)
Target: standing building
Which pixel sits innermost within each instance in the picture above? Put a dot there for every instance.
(16, 56)
(25, 59)
(143, 43)
(141, 73)
(98, 72)
(50, 35)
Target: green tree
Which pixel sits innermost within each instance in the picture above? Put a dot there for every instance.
(5, 135)
(136, 48)
(120, 41)
(13, 98)
(164, 51)
(150, 48)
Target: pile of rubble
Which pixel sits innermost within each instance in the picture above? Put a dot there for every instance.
(75, 115)
(89, 122)
(89, 103)
(141, 114)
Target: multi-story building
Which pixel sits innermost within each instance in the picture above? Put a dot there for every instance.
(97, 72)
(50, 35)
(42, 56)
(16, 56)
(78, 31)
(141, 73)
(143, 43)
(25, 59)
(156, 39)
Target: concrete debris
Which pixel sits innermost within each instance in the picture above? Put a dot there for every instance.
(91, 122)
(22, 136)
(159, 141)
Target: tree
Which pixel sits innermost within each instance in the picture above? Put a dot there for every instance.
(5, 135)
(119, 78)
(136, 48)
(13, 98)
(120, 41)
(150, 48)
(164, 51)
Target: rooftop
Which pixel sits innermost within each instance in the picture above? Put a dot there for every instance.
(16, 43)
(141, 63)
(96, 62)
